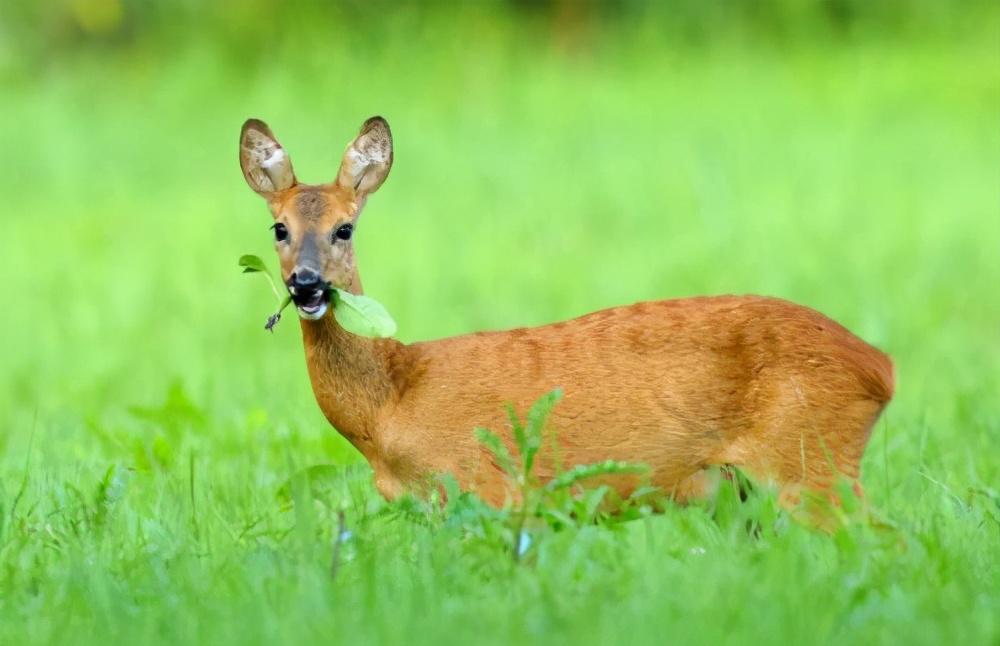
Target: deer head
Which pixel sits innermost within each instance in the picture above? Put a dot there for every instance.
(314, 224)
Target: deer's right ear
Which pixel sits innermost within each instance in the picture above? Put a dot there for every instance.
(265, 164)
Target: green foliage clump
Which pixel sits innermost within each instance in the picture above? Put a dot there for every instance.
(557, 502)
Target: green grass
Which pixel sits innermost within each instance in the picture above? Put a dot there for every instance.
(151, 424)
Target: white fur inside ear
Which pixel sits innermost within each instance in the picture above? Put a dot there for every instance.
(357, 164)
(279, 168)
(277, 157)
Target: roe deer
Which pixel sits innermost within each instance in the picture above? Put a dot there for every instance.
(776, 389)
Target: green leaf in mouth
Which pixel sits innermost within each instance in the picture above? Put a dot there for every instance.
(361, 315)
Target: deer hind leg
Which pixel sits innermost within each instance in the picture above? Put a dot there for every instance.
(813, 457)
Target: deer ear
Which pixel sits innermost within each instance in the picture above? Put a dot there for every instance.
(367, 159)
(265, 165)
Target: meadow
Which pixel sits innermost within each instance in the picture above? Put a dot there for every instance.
(165, 474)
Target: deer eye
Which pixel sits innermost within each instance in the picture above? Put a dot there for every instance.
(280, 232)
(344, 232)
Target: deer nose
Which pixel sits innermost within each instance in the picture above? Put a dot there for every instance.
(304, 278)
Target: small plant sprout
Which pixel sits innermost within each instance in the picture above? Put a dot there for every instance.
(356, 313)
(560, 501)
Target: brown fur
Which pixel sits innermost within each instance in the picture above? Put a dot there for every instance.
(681, 385)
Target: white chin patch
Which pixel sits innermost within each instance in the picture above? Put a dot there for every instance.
(313, 312)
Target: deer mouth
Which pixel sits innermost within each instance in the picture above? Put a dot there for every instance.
(311, 304)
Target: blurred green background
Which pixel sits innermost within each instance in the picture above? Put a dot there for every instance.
(551, 158)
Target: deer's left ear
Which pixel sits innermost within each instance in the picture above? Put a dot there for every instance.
(265, 164)
(368, 158)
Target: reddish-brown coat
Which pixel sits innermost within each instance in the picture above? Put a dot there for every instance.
(778, 389)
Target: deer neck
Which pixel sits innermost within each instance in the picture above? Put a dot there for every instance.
(351, 377)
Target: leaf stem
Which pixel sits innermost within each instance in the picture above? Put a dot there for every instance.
(274, 288)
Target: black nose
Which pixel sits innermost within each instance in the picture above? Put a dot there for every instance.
(304, 279)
